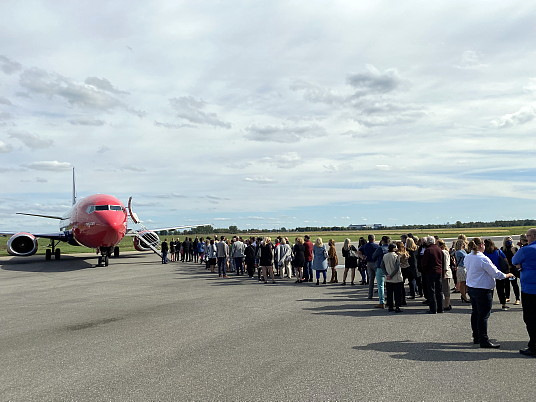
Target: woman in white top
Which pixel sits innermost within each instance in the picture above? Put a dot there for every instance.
(481, 275)
(447, 275)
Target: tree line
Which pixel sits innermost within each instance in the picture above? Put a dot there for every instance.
(210, 230)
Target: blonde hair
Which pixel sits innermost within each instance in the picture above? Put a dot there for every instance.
(460, 244)
(410, 244)
(319, 242)
(299, 240)
(346, 244)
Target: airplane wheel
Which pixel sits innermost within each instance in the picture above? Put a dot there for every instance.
(48, 254)
(105, 260)
(57, 254)
(116, 252)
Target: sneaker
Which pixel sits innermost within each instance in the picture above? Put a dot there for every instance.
(527, 352)
(517, 303)
(507, 300)
(505, 307)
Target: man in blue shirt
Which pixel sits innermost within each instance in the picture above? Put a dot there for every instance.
(525, 260)
(368, 250)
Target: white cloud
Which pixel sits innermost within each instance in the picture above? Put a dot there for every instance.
(259, 180)
(522, 116)
(9, 66)
(49, 166)
(191, 110)
(284, 134)
(32, 141)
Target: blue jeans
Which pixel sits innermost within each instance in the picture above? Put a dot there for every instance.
(308, 270)
(380, 279)
(164, 257)
(481, 300)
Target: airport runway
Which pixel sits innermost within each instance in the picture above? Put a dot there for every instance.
(139, 330)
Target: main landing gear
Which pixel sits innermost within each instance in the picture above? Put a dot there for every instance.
(52, 250)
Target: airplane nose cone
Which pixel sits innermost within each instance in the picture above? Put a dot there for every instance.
(111, 229)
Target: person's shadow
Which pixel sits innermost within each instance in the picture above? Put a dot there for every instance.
(442, 351)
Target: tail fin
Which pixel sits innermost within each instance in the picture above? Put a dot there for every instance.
(74, 189)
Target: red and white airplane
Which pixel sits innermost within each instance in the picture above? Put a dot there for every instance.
(98, 221)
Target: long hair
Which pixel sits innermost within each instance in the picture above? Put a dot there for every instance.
(319, 243)
(490, 246)
(346, 244)
(410, 244)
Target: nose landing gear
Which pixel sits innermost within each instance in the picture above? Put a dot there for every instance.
(106, 252)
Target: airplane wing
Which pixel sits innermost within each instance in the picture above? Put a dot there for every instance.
(41, 216)
(133, 232)
(53, 236)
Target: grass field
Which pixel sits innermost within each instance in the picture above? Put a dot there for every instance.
(126, 243)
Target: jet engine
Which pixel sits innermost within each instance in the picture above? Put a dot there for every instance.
(146, 240)
(22, 245)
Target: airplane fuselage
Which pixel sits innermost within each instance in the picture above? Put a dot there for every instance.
(97, 221)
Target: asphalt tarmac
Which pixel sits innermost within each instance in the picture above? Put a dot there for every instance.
(139, 330)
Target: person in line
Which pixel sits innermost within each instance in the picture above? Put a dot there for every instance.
(509, 250)
(212, 254)
(380, 272)
(172, 250)
(362, 262)
(249, 253)
(498, 259)
(368, 251)
(284, 253)
(349, 252)
(308, 267)
(320, 260)
(447, 276)
(525, 261)
(222, 249)
(394, 282)
(237, 253)
(411, 249)
(461, 273)
(164, 248)
(299, 259)
(432, 268)
(481, 276)
(267, 259)
(333, 261)
(404, 266)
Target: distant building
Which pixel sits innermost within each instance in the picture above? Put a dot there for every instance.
(377, 226)
(357, 227)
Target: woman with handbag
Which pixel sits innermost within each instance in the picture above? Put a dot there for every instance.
(509, 250)
(349, 252)
(320, 260)
(498, 259)
(333, 261)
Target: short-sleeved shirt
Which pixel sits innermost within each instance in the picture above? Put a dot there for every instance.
(526, 257)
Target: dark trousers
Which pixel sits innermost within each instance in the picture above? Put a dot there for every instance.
(222, 262)
(501, 285)
(529, 316)
(238, 263)
(481, 300)
(394, 289)
(515, 286)
(434, 284)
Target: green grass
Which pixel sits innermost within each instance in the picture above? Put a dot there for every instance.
(127, 245)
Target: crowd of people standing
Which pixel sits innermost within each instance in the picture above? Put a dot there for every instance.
(431, 269)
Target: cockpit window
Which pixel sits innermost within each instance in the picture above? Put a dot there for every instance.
(94, 208)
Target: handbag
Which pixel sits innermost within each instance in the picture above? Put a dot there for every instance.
(352, 252)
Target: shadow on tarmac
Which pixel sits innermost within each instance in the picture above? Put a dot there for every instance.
(443, 352)
(65, 264)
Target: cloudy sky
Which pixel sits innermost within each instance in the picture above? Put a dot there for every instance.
(270, 114)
